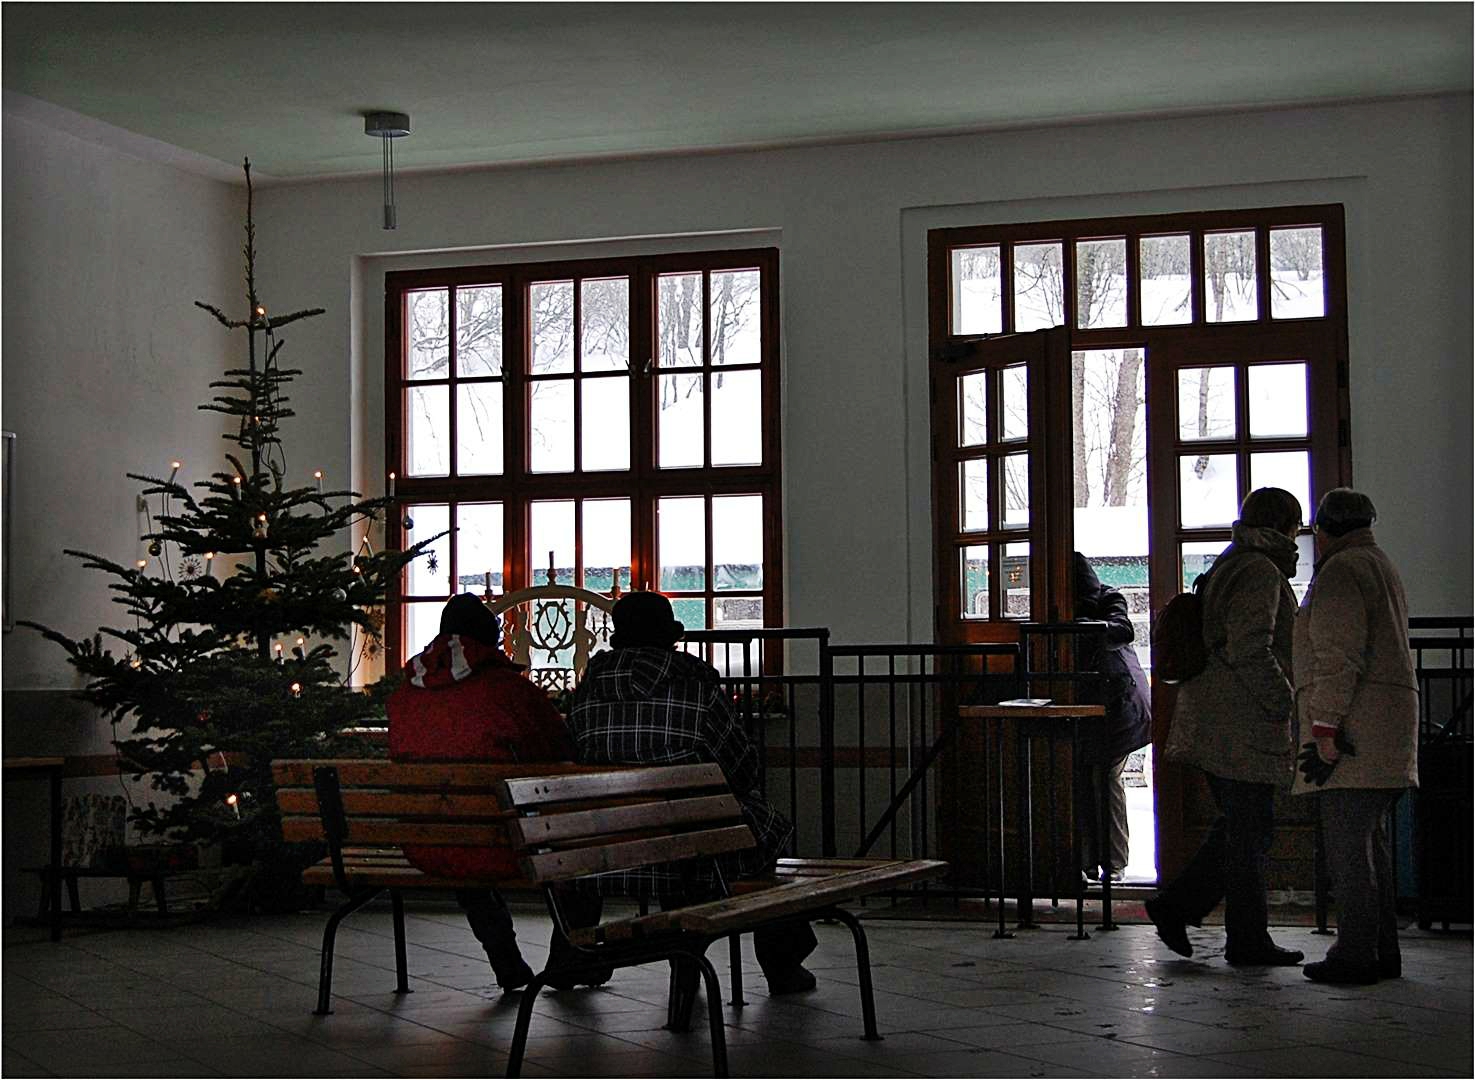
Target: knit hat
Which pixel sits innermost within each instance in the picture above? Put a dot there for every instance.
(1341, 510)
(467, 616)
(644, 619)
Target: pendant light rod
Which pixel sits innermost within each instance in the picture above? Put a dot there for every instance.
(386, 127)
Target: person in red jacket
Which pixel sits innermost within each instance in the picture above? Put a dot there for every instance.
(462, 699)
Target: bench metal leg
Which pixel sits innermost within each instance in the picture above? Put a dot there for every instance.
(863, 968)
(524, 1018)
(735, 961)
(714, 1016)
(401, 966)
(330, 933)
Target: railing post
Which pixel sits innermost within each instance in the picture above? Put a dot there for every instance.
(826, 746)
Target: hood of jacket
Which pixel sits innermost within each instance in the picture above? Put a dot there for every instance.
(1274, 545)
(635, 674)
(450, 659)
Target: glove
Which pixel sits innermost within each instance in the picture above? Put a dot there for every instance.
(1314, 768)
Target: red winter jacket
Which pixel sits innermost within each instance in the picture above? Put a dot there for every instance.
(465, 701)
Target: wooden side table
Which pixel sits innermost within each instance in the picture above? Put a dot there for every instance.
(51, 768)
(1035, 721)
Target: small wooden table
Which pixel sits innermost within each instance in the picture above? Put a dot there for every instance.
(51, 768)
(1047, 721)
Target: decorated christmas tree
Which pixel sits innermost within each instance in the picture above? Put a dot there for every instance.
(227, 657)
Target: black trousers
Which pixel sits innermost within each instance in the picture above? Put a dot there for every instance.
(1230, 866)
(491, 922)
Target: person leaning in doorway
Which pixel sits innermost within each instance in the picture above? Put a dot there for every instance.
(1233, 721)
(1123, 690)
(1358, 707)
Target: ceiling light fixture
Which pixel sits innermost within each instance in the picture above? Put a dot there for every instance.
(386, 127)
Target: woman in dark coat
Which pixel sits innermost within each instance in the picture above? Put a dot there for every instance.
(1123, 690)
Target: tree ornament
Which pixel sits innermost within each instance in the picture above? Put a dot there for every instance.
(155, 548)
(408, 523)
(432, 562)
(339, 595)
(190, 567)
(269, 595)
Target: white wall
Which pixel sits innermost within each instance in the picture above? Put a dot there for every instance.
(851, 222)
(105, 359)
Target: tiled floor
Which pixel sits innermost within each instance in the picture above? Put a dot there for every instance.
(235, 998)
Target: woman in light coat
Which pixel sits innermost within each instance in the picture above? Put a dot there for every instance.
(1357, 702)
(1233, 721)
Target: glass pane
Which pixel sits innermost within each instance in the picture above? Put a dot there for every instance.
(430, 574)
(1208, 489)
(679, 421)
(606, 432)
(551, 542)
(1015, 568)
(977, 286)
(1038, 287)
(1277, 400)
(606, 543)
(1231, 285)
(737, 329)
(1165, 278)
(479, 330)
(1015, 501)
(973, 495)
(737, 542)
(681, 530)
(1306, 561)
(1296, 288)
(427, 430)
(479, 428)
(551, 425)
(1101, 283)
(691, 613)
(737, 417)
(605, 319)
(479, 548)
(738, 613)
(422, 623)
(679, 320)
(552, 305)
(973, 577)
(1206, 403)
(1288, 469)
(973, 409)
(1014, 406)
(1110, 452)
(428, 315)
(1196, 557)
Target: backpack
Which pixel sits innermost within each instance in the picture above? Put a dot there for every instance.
(1178, 650)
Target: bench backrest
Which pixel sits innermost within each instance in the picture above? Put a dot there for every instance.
(372, 802)
(571, 826)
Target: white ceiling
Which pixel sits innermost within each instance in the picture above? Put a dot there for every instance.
(485, 84)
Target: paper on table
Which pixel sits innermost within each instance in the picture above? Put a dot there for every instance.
(1028, 701)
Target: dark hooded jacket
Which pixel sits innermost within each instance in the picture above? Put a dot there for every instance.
(1124, 686)
(657, 706)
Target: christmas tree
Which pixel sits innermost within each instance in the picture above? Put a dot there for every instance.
(229, 661)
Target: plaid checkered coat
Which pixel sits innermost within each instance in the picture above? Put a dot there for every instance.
(654, 706)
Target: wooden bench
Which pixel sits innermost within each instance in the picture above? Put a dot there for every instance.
(574, 826)
(365, 808)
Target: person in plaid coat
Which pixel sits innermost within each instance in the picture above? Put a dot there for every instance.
(645, 703)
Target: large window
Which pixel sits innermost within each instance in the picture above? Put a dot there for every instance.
(608, 421)
(1181, 361)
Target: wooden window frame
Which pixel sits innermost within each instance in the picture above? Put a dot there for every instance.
(644, 482)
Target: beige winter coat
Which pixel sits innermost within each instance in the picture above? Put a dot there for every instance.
(1234, 718)
(1353, 667)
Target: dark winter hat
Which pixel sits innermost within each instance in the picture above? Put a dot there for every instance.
(1341, 510)
(644, 619)
(467, 616)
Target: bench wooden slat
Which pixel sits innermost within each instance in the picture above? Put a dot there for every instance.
(629, 854)
(724, 916)
(659, 922)
(437, 776)
(550, 829)
(527, 794)
(397, 803)
(389, 831)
